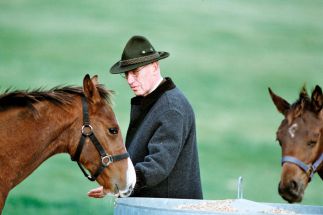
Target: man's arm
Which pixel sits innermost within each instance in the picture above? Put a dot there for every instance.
(164, 148)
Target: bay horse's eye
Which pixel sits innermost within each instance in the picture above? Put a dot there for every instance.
(311, 143)
(113, 130)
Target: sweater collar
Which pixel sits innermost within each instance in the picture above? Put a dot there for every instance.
(147, 101)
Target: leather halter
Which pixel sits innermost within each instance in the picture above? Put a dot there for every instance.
(87, 132)
(309, 169)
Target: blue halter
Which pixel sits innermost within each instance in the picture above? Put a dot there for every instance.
(309, 169)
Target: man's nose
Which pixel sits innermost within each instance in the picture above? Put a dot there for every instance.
(130, 78)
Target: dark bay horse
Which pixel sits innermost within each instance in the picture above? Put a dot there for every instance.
(300, 136)
(37, 125)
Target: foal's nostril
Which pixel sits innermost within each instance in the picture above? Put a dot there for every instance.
(126, 193)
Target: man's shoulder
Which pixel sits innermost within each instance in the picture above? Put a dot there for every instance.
(175, 99)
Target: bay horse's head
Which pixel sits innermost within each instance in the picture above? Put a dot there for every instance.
(101, 149)
(301, 140)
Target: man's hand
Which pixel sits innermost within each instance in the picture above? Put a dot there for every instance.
(97, 193)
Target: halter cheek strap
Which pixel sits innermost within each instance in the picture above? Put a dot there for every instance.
(309, 169)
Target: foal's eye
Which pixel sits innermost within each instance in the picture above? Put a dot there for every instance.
(113, 130)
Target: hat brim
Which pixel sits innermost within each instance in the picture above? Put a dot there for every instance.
(117, 69)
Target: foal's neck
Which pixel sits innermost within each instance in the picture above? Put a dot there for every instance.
(36, 139)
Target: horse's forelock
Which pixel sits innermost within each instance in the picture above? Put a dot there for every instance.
(298, 107)
(303, 93)
(105, 93)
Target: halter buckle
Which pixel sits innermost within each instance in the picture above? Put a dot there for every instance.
(310, 171)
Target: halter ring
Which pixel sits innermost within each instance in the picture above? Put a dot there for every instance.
(87, 130)
(107, 160)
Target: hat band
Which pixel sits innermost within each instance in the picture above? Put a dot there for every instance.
(139, 59)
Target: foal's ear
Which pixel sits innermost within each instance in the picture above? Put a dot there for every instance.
(317, 98)
(90, 90)
(281, 104)
(95, 79)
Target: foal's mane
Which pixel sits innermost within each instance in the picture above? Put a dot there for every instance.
(58, 95)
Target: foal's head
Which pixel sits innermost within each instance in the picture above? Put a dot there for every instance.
(300, 137)
(118, 176)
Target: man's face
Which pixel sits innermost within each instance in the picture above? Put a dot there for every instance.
(142, 79)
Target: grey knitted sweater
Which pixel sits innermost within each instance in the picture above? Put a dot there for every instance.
(161, 141)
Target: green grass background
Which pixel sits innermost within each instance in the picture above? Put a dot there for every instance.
(224, 55)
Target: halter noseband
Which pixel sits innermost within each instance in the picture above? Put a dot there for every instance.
(87, 132)
(309, 169)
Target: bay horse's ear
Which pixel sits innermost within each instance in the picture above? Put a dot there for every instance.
(281, 104)
(317, 98)
(90, 90)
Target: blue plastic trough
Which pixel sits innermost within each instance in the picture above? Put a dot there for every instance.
(158, 206)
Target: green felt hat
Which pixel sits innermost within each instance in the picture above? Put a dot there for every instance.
(137, 52)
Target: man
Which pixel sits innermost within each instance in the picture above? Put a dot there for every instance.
(161, 137)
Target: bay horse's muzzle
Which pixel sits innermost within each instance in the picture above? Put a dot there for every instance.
(292, 190)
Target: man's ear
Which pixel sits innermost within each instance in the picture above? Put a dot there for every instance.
(156, 68)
